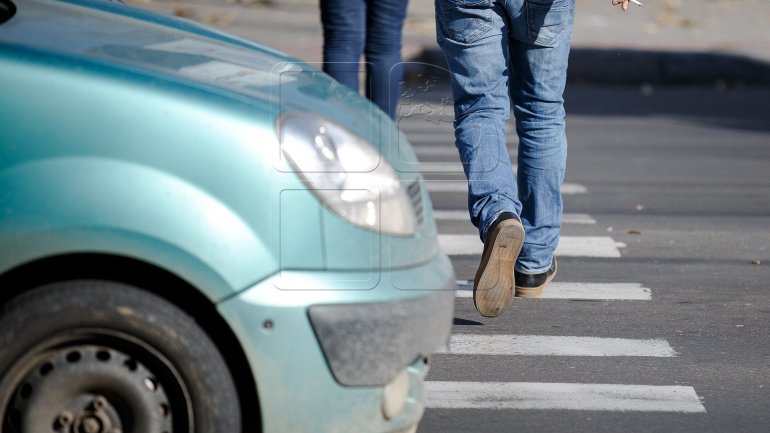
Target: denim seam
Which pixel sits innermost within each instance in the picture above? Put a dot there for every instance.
(536, 271)
(534, 36)
(477, 35)
(495, 217)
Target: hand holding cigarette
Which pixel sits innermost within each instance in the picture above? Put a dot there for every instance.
(624, 3)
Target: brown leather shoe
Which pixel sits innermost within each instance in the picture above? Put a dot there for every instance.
(493, 285)
(531, 286)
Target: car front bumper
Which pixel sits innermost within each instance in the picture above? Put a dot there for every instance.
(323, 347)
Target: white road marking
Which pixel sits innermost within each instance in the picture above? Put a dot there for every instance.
(447, 186)
(411, 125)
(577, 218)
(562, 396)
(461, 186)
(444, 136)
(427, 135)
(448, 150)
(546, 345)
(573, 188)
(436, 151)
(571, 246)
(584, 291)
(462, 215)
(443, 123)
(588, 246)
(449, 167)
(443, 167)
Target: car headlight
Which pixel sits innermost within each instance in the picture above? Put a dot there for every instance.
(348, 175)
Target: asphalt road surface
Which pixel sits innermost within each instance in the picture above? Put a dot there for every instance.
(659, 317)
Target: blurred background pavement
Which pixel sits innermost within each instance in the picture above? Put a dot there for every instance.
(723, 43)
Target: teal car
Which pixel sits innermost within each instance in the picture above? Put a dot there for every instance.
(201, 234)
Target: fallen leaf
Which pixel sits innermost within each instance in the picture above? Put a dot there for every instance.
(219, 19)
(184, 12)
(634, 232)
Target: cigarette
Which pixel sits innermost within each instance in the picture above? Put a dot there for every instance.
(636, 2)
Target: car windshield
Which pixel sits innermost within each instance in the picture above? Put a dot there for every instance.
(7, 9)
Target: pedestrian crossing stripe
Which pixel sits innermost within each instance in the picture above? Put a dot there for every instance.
(569, 246)
(579, 291)
(424, 151)
(440, 125)
(547, 345)
(445, 167)
(562, 396)
(446, 136)
(448, 150)
(462, 215)
(439, 138)
(443, 125)
(461, 186)
(448, 167)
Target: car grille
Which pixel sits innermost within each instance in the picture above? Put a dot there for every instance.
(415, 195)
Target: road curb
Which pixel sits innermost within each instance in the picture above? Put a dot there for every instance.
(638, 67)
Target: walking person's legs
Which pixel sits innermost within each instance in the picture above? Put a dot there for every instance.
(344, 30)
(497, 48)
(539, 50)
(474, 38)
(385, 70)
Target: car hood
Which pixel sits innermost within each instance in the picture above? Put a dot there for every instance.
(130, 42)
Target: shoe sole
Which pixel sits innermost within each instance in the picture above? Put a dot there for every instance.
(493, 285)
(536, 292)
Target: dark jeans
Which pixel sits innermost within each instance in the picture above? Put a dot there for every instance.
(372, 28)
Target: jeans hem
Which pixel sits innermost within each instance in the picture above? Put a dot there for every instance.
(536, 271)
(494, 218)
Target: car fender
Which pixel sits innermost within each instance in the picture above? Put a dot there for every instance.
(100, 205)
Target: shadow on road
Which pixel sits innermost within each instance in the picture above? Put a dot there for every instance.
(715, 89)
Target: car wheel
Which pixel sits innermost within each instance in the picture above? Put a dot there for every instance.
(103, 357)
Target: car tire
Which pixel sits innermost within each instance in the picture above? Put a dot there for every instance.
(102, 357)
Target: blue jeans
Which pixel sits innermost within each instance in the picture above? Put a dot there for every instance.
(502, 53)
(372, 28)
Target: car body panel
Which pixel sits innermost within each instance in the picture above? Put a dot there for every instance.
(236, 129)
(297, 375)
(88, 172)
(126, 133)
